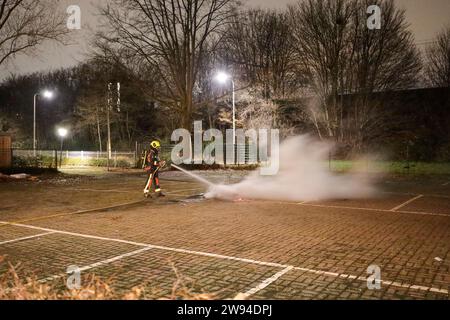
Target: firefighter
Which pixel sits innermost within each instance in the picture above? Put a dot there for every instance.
(152, 165)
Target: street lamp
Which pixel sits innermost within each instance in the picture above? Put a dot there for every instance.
(223, 78)
(47, 95)
(62, 133)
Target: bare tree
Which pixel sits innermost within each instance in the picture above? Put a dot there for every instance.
(345, 58)
(24, 24)
(438, 60)
(257, 113)
(381, 62)
(321, 37)
(171, 38)
(259, 44)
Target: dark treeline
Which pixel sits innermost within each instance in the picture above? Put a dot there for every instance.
(79, 104)
(314, 67)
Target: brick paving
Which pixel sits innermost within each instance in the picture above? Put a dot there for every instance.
(299, 285)
(52, 254)
(430, 204)
(410, 249)
(163, 274)
(384, 202)
(12, 232)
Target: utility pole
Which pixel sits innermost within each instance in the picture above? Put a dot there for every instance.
(234, 112)
(108, 124)
(48, 95)
(108, 119)
(34, 125)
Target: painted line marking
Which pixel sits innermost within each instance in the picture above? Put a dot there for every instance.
(380, 210)
(98, 264)
(361, 209)
(415, 194)
(57, 215)
(213, 255)
(78, 212)
(446, 184)
(364, 279)
(407, 202)
(267, 282)
(27, 238)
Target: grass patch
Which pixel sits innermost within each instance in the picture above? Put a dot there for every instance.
(120, 162)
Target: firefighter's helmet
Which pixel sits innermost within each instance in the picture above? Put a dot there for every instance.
(155, 145)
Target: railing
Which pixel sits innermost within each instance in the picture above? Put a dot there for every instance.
(130, 159)
(47, 158)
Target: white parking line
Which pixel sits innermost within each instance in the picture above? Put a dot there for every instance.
(117, 206)
(219, 256)
(361, 209)
(407, 202)
(364, 279)
(98, 264)
(266, 282)
(27, 238)
(415, 194)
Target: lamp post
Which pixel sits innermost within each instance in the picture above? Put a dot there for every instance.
(48, 95)
(222, 78)
(108, 120)
(62, 132)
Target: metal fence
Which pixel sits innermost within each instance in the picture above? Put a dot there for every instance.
(130, 159)
(50, 158)
(242, 154)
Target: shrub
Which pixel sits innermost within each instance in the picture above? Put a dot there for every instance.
(33, 162)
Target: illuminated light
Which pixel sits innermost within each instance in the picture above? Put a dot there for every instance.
(62, 132)
(47, 94)
(222, 77)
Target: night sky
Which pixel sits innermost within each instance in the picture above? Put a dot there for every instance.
(427, 17)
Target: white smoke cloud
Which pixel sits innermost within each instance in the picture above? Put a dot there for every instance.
(303, 176)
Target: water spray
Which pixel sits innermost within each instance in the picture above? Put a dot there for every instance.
(302, 177)
(196, 177)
